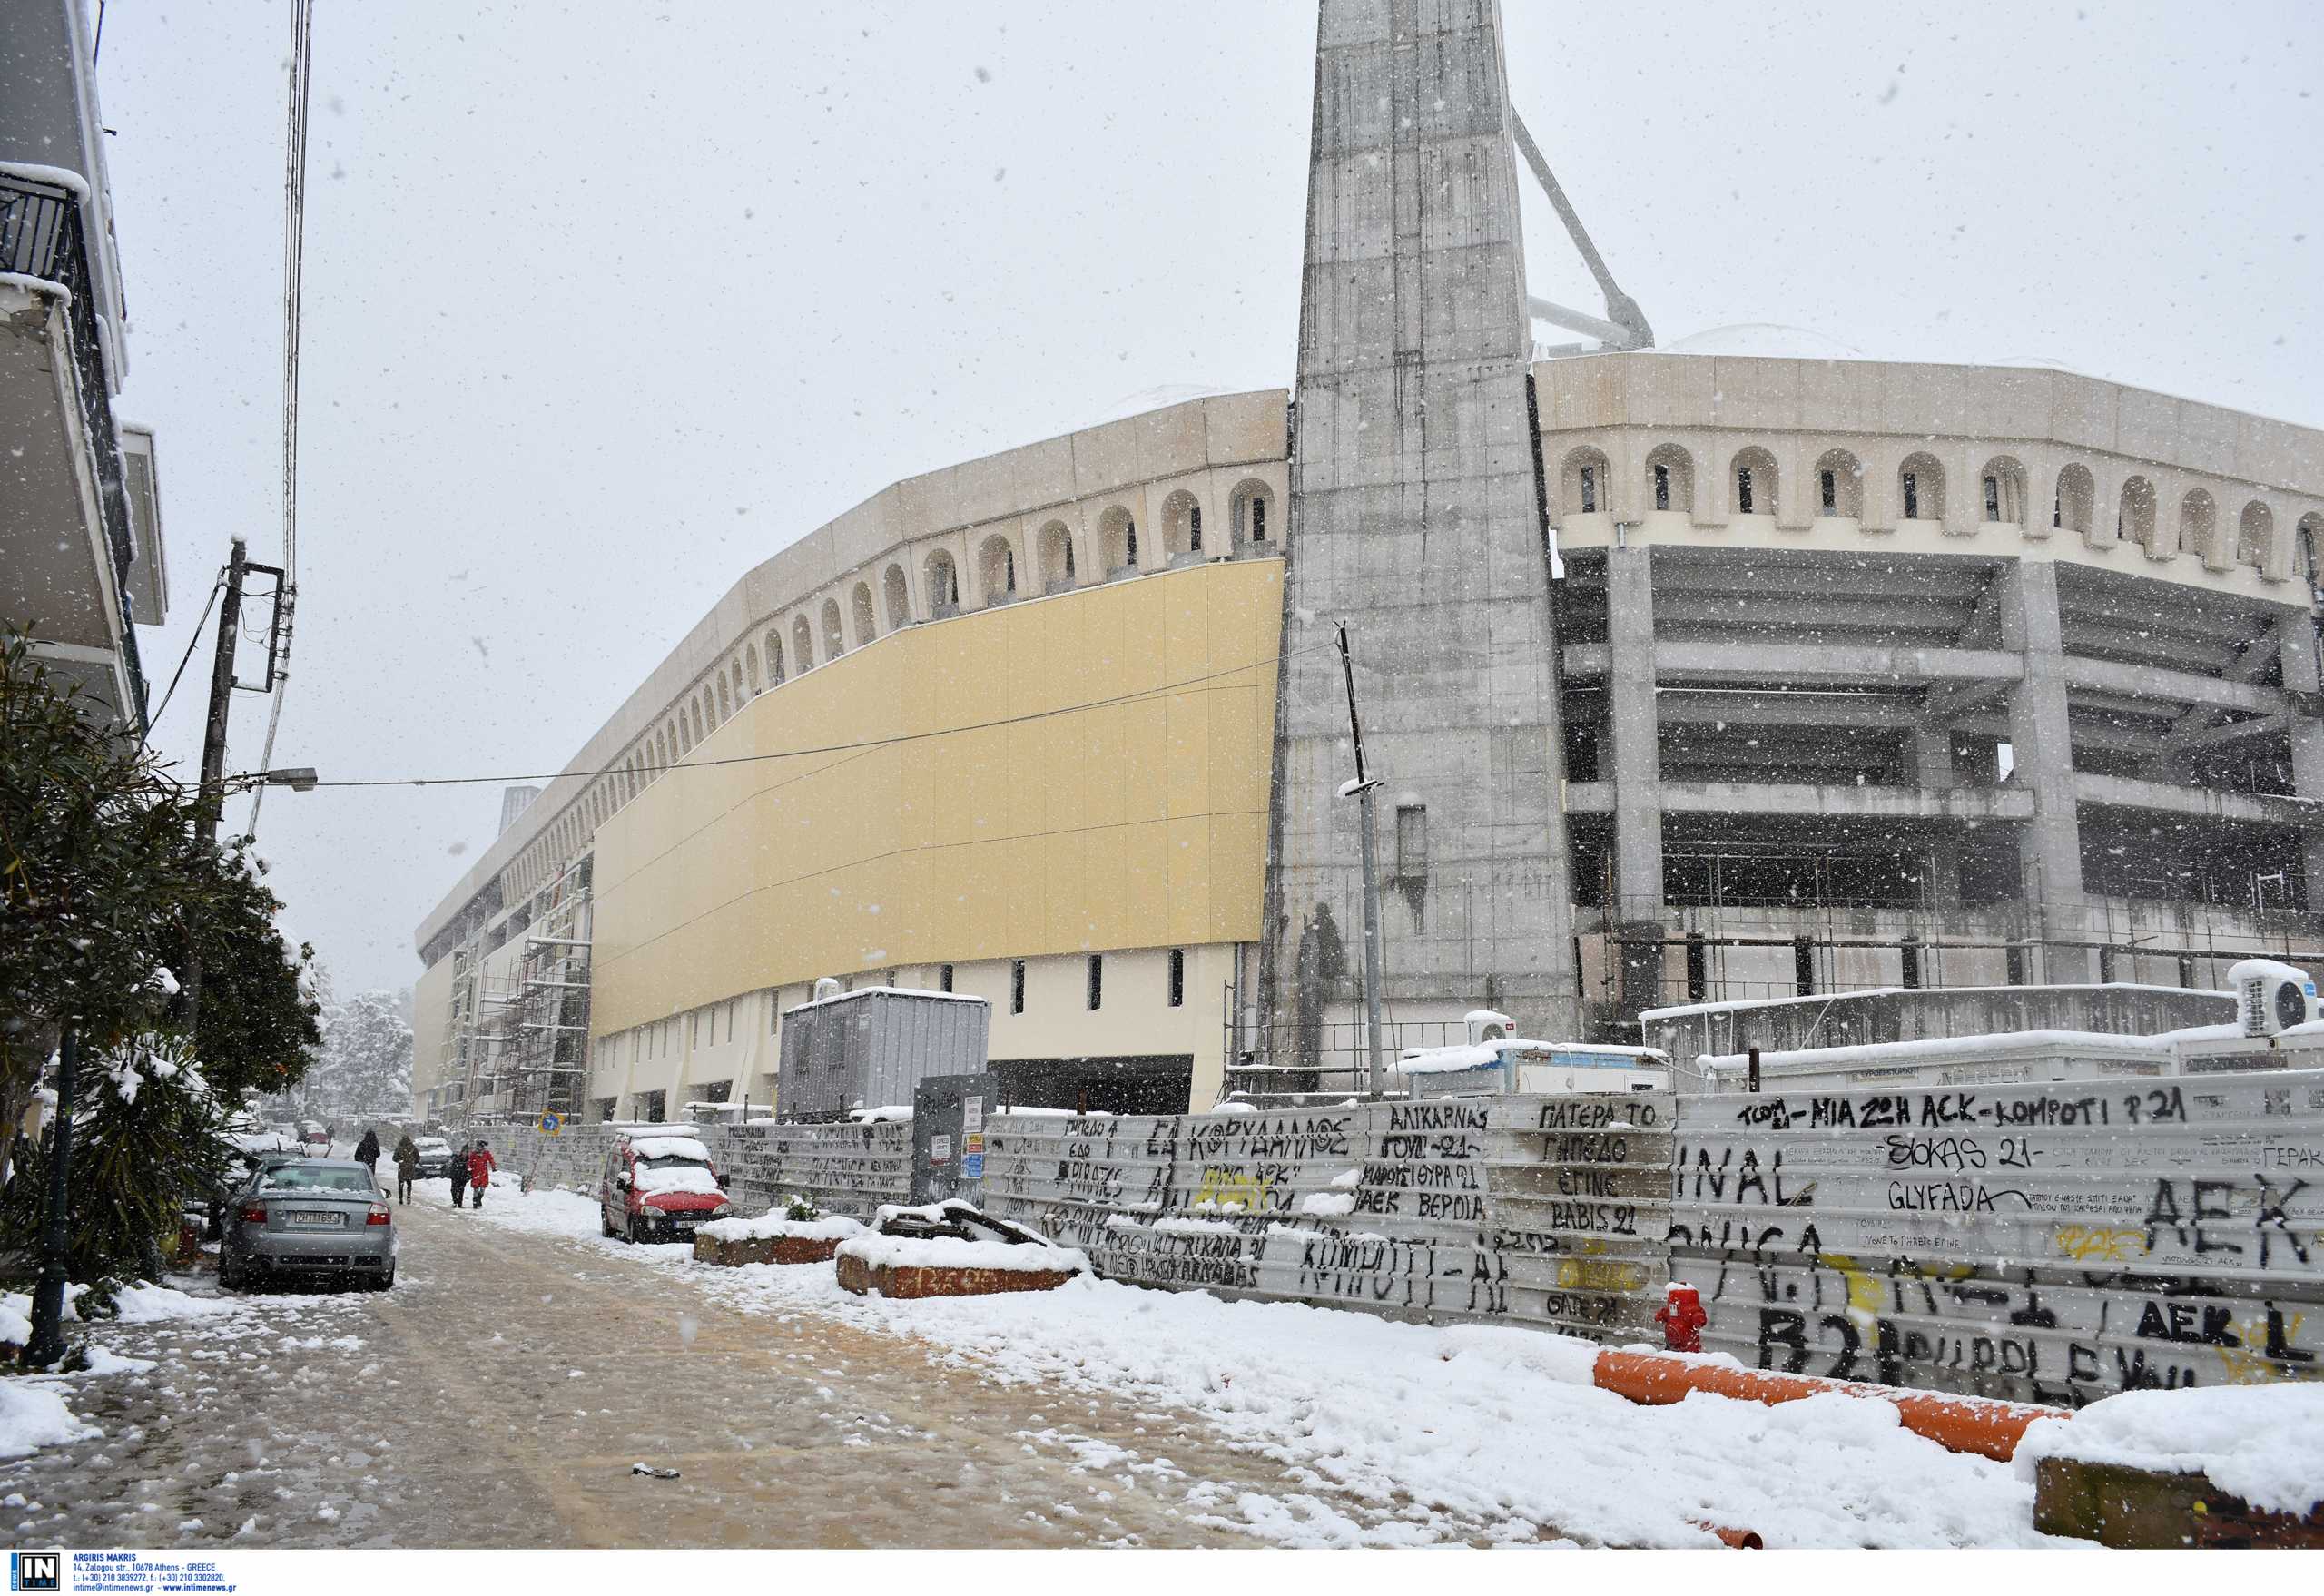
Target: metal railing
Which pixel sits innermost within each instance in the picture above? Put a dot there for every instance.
(42, 236)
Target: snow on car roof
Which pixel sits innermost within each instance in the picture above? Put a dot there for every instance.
(668, 1146)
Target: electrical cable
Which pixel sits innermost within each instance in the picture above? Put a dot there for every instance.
(294, 245)
(865, 745)
(215, 589)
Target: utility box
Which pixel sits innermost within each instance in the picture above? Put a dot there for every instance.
(869, 1048)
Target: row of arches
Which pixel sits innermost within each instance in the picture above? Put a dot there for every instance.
(770, 659)
(2001, 495)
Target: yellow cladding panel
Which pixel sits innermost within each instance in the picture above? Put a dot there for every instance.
(1087, 771)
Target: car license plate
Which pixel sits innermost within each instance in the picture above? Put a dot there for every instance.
(312, 1219)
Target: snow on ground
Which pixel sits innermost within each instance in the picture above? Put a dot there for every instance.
(2262, 1442)
(1454, 1432)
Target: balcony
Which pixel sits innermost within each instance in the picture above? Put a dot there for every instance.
(68, 536)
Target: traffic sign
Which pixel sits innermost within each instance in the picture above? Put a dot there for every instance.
(551, 1124)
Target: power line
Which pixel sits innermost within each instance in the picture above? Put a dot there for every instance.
(293, 281)
(864, 745)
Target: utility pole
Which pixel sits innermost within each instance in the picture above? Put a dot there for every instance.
(210, 798)
(1362, 789)
(45, 1345)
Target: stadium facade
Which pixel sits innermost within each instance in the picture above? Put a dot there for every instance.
(1686, 677)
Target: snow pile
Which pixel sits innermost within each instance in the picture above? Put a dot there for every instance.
(686, 1178)
(140, 1303)
(670, 1147)
(1461, 1056)
(776, 1227)
(1330, 1205)
(892, 1114)
(2262, 1442)
(1452, 1433)
(947, 1252)
(33, 1415)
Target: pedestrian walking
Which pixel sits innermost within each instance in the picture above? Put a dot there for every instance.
(481, 1164)
(458, 1171)
(406, 1166)
(367, 1153)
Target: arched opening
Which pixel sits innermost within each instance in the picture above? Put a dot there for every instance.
(750, 659)
(1839, 485)
(2255, 528)
(2002, 483)
(734, 671)
(2307, 545)
(685, 732)
(2134, 518)
(2198, 523)
(1670, 479)
(1252, 509)
(705, 720)
(835, 638)
(1754, 477)
(725, 704)
(1182, 524)
(1055, 546)
(774, 657)
(1920, 489)
(943, 585)
(1584, 482)
(867, 625)
(899, 599)
(802, 643)
(1117, 536)
(2076, 500)
(996, 570)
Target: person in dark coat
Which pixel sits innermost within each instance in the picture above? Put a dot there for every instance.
(458, 1171)
(407, 1165)
(367, 1153)
(481, 1164)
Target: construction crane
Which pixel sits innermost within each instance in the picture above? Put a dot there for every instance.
(1623, 326)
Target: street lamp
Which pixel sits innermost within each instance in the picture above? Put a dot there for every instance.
(298, 778)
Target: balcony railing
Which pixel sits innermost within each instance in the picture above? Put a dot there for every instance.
(41, 235)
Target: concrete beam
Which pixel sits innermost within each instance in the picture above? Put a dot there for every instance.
(2149, 683)
(1792, 800)
(2149, 646)
(2201, 737)
(1680, 706)
(2206, 802)
(1706, 608)
(1865, 663)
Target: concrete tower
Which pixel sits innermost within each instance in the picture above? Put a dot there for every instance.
(1415, 518)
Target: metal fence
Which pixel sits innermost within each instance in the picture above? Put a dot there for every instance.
(848, 1169)
(1544, 1211)
(2051, 1242)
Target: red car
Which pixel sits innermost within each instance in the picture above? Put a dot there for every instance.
(658, 1186)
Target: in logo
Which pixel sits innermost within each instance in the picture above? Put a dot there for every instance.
(37, 1570)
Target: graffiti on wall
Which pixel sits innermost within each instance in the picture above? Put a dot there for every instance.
(2054, 1242)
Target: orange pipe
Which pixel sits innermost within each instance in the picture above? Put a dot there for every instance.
(1740, 1540)
(1975, 1424)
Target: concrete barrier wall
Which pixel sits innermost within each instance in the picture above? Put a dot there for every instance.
(1547, 1211)
(2053, 1243)
(847, 1170)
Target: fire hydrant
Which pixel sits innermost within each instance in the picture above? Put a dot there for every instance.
(1682, 1318)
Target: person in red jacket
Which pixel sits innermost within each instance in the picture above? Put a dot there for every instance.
(481, 1164)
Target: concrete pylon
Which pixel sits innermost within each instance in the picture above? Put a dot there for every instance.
(1415, 518)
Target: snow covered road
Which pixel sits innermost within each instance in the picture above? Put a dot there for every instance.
(501, 1393)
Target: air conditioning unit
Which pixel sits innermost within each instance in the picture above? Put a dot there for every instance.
(2270, 996)
(1488, 1025)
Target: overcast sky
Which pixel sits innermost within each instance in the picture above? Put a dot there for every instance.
(607, 301)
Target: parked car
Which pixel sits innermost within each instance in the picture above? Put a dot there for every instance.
(313, 1133)
(309, 1217)
(658, 1186)
(434, 1157)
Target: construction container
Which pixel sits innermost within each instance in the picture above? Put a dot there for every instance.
(869, 1048)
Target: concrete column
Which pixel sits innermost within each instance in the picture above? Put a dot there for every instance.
(1413, 519)
(2296, 645)
(1932, 769)
(1635, 724)
(2041, 743)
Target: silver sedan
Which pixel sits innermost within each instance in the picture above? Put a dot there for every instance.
(314, 1217)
